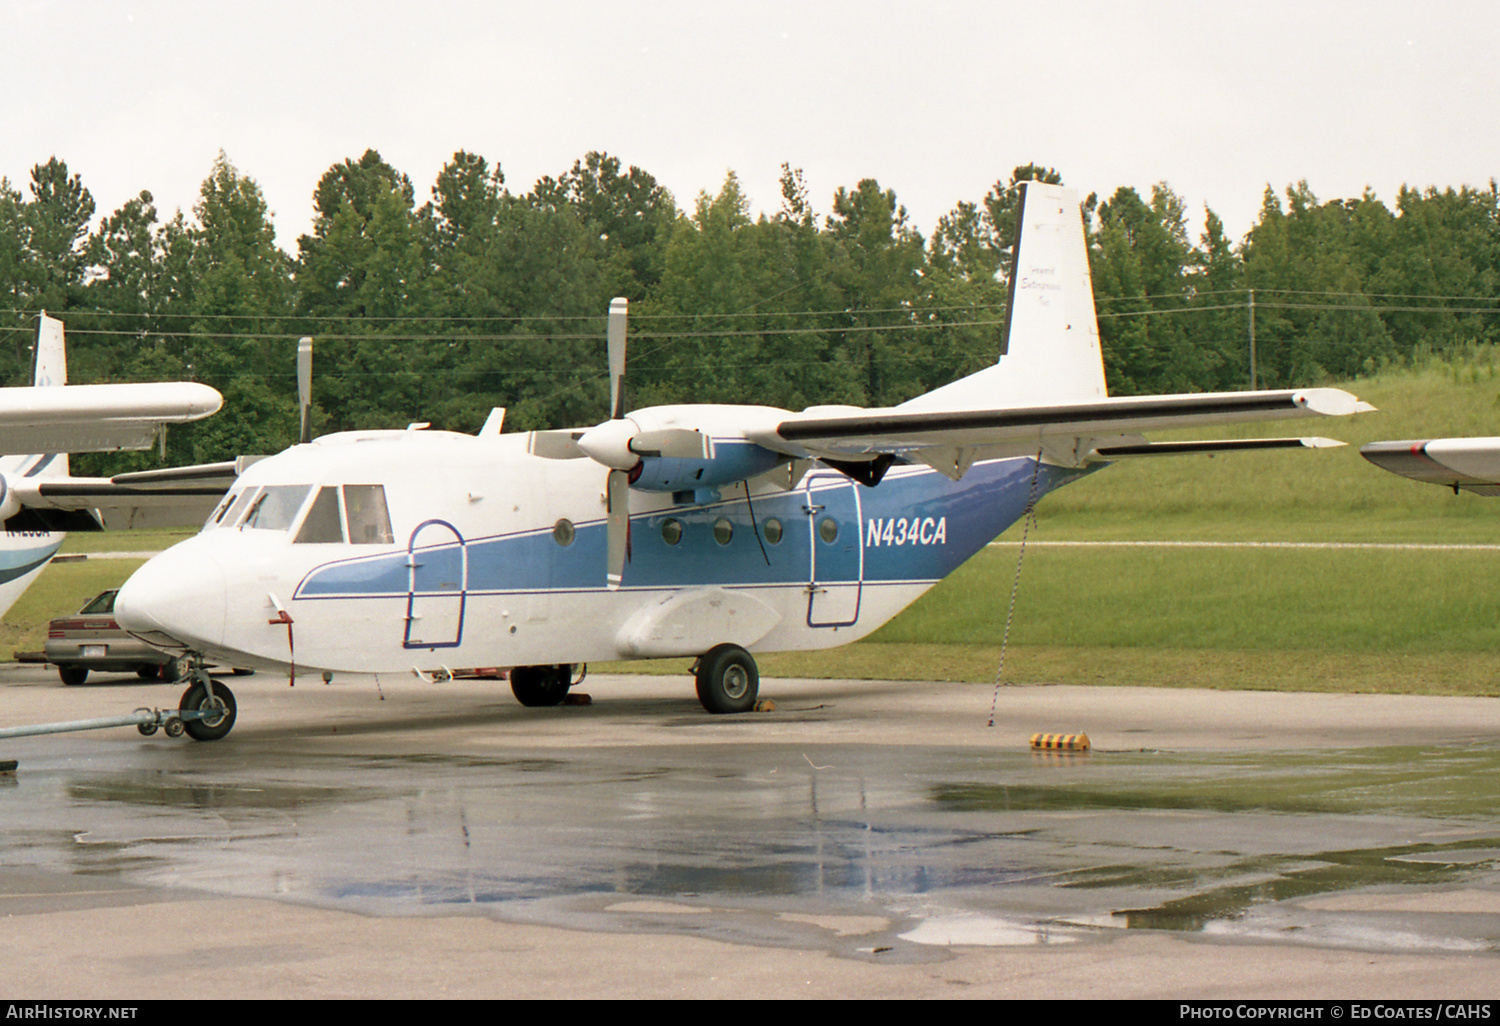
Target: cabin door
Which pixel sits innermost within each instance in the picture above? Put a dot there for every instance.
(439, 567)
(833, 519)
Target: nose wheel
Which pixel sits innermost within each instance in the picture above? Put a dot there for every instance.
(207, 715)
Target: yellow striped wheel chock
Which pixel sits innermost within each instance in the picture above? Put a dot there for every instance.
(1060, 742)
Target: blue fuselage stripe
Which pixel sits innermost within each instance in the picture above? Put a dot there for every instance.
(914, 526)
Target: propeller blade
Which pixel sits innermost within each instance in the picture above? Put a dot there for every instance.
(673, 443)
(618, 526)
(618, 309)
(304, 385)
(555, 445)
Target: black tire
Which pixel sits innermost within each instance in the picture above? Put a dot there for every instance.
(213, 728)
(73, 674)
(537, 686)
(154, 671)
(728, 680)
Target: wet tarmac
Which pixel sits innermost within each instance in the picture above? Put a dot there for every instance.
(884, 823)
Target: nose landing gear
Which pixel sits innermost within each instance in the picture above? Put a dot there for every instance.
(207, 709)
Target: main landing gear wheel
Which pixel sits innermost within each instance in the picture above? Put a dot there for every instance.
(728, 680)
(537, 686)
(221, 707)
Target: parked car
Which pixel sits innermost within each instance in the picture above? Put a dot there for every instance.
(92, 640)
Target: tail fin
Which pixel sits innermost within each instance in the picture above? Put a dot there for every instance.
(50, 363)
(1051, 351)
(49, 369)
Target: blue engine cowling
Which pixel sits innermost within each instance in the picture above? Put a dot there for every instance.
(732, 461)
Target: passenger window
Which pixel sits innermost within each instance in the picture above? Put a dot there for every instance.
(369, 520)
(276, 507)
(322, 523)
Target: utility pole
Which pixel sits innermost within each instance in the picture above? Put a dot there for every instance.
(1252, 339)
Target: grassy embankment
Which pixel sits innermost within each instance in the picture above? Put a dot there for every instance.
(1280, 618)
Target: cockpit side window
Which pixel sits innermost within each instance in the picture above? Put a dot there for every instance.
(275, 508)
(218, 514)
(369, 520)
(322, 523)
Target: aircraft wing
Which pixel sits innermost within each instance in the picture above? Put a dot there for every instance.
(867, 434)
(98, 418)
(174, 497)
(1471, 464)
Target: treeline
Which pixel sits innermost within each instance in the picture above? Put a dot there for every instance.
(483, 297)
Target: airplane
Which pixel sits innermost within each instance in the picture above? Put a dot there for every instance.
(50, 419)
(1468, 464)
(704, 531)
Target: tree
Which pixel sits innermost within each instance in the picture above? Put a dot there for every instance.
(368, 263)
(877, 266)
(627, 211)
(1440, 244)
(1142, 262)
(1310, 266)
(54, 226)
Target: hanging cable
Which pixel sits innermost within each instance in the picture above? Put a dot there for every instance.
(1029, 517)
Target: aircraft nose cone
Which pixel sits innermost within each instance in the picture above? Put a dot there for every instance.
(180, 594)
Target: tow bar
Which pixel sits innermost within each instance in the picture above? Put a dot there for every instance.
(147, 721)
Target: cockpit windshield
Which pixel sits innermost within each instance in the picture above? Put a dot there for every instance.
(231, 508)
(275, 507)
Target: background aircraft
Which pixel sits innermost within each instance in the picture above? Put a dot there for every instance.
(1471, 464)
(50, 419)
(708, 531)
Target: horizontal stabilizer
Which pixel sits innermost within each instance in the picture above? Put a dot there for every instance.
(1471, 464)
(1115, 452)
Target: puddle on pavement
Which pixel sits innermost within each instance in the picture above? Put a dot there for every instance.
(954, 846)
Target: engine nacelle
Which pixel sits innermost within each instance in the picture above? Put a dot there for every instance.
(732, 461)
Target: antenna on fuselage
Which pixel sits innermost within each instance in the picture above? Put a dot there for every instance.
(304, 386)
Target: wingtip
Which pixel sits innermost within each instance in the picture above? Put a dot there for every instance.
(1331, 402)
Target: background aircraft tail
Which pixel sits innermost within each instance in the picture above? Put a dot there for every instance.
(49, 369)
(1050, 352)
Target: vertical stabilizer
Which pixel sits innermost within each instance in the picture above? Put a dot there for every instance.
(50, 365)
(49, 370)
(1050, 353)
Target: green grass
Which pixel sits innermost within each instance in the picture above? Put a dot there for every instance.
(1422, 622)
(1320, 495)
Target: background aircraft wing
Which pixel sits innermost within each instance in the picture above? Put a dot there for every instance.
(174, 497)
(1472, 464)
(98, 418)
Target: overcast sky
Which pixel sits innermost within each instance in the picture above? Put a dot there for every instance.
(935, 100)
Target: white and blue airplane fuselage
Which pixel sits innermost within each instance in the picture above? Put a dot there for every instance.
(496, 558)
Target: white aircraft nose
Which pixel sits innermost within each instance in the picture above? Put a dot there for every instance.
(180, 593)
